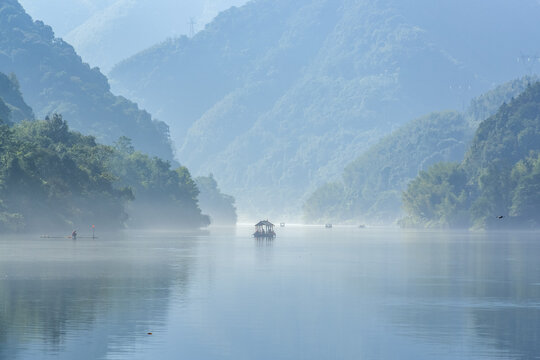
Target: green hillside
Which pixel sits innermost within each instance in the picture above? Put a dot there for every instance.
(496, 185)
(51, 178)
(165, 197)
(371, 186)
(54, 179)
(54, 79)
(276, 97)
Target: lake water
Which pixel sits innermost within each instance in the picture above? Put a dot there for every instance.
(312, 293)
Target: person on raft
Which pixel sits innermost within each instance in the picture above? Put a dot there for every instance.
(74, 235)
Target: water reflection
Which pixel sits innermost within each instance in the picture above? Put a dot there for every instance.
(108, 293)
(264, 242)
(452, 287)
(340, 294)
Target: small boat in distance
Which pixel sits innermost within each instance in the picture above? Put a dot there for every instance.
(264, 229)
(74, 235)
(328, 226)
(67, 237)
(282, 224)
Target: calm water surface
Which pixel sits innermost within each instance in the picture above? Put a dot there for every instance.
(312, 293)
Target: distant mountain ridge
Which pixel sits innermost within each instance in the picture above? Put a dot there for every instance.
(53, 78)
(105, 32)
(276, 97)
(371, 186)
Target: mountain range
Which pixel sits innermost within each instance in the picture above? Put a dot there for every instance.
(53, 79)
(277, 97)
(105, 32)
(370, 189)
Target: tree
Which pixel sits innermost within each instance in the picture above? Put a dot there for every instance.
(438, 197)
(219, 206)
(526, 195)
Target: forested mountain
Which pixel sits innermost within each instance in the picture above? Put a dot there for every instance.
(13, 108)
(53, 79)
(52, 178)
(371, 186)
(275, 97)
(498, 182)
(105, 32)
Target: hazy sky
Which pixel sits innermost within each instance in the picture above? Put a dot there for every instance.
(105, 32)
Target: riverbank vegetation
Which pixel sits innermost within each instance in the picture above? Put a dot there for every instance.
(498, 182)
(165, 197)
(212, 201)
(370, 189)
(52, 178)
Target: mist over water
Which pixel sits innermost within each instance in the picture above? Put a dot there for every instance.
(178, 120)
(312, 293)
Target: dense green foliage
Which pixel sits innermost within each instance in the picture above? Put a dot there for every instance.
(219, 206)
(438, 193)
(165, 197)
(370, 189)
(53, 79)
(277, 96)
(487, 104)
(52, 178)
(55, 179)
(371, 185)
(501, 173)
